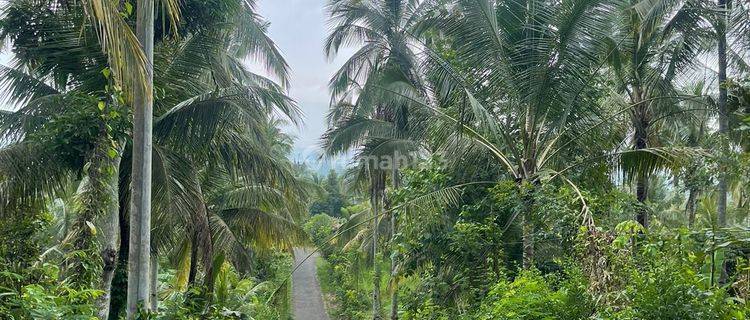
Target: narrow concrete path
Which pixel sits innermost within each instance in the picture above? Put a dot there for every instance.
(306, 295)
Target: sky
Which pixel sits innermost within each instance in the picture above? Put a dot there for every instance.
(299, 28)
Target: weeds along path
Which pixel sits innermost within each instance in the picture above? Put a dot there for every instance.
(306, 295)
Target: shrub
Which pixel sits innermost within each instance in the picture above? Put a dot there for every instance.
(665, 289)
(48, 299)
(321, 227)
(532, 296)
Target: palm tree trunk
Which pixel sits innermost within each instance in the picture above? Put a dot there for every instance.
(527, 227)
(641, 185)
(375, 201)
(641, 194)
(209, 282)
(721, 202)
(118, 300)
(111, 232)
(193, 260)
(202, 229)
(139, 253)
(209, 279)
(375, 266)
(98, 200)
(394, 250)
(201, 244)
(154, 283)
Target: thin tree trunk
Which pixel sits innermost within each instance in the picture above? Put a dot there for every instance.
(96, 199)
(209, 277)
(193, 270)
(111, 233)
(641, 187)
(375, 202)
(201, 244)
(154, 282)
(527, 227)
(193, 260)
(641, 194)
(721, 201)
(690, 206)
(394, 250)
(375, 266)
(118, 300)
(203, 235)
(139, 253)
(209, 281)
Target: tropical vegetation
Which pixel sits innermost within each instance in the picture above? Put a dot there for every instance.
(510, 159)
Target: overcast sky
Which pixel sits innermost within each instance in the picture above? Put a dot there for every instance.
(299, 28)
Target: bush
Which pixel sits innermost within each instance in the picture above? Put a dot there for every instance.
(665, 289)
(348, 285)
(48, 299)
(262, 297)
(532, 296)
(321, 227)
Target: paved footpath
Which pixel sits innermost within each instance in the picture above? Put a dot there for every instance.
(306, 295)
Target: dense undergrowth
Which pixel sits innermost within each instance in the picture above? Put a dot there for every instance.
(458, 264)
(34, 289)
(511, 159)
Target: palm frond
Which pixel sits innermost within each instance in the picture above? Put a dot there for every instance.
(19, 87)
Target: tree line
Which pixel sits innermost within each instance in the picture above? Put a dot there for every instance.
(140, 140)
(530, 99)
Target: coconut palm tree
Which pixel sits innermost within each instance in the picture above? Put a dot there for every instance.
(519, 83)
(64, 82)
(76, 66)
(654, 42)
(382, 27)
(730, 24)
(129, 58)
(694, 133)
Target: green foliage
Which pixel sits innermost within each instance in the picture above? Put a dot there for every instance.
(321, 227)
(533, 296)
(662, 281)
(455, 252)
(526, 112)
(332, 200)
(21, 244)
(427, 310)
(666, 290)
(71, 132)
(47, 298)
(347, 284)
(61, 303)
(264, 297)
